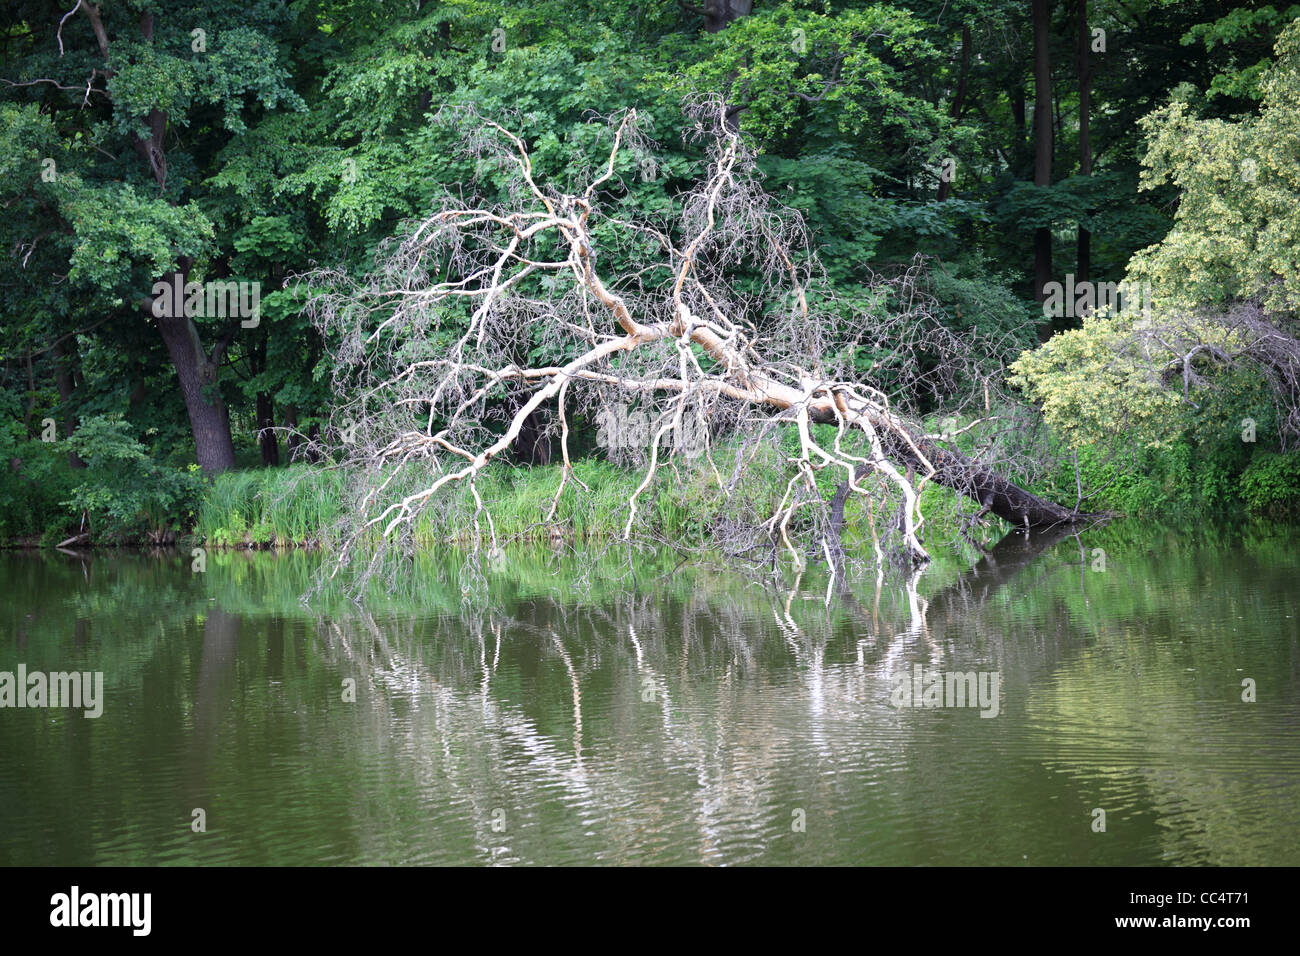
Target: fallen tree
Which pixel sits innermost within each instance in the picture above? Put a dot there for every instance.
(714, 321)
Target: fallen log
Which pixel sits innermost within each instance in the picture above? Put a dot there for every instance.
(710, 313)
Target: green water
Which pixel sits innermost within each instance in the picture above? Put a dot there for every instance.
(630, 710)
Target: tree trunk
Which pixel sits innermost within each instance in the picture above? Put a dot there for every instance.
(612, 365)
(209, 420)
(197, 372)
(137, 394)
(313, 443)
(1083, 266)
(293, 440)
(265, 407)
(956, 472)
(959, 99)
(1018, 118)
(1042, 144)
(266, 430)
(719, 13)
(31, 393)
(65, 379)
(1007, 500)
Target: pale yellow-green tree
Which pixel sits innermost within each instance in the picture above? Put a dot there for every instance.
(1237, 229)
(1224, 283)
(1103, 380)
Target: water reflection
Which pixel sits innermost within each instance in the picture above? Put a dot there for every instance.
(701, 719)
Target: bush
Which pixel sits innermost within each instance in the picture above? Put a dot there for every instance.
(35, 480)
(1270, 485)
(125, 494)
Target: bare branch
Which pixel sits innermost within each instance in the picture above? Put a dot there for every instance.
(701, 330)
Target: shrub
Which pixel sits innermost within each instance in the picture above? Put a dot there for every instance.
(123, 492)
(1270, 485)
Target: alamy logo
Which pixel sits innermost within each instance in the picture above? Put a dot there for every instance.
(622, 428)
(923, 688)
(1077, 299)
(102, 909)
(215, 299)
(56, 689)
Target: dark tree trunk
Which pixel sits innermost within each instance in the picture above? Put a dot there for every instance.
(956, 472)
(533, 446)
(293, 440)
(151, 150)
(1083, 255)
(719, 13)
(266, 430)
(137, 394)
(31, 393)
(266, 439)
(1083, 266)
(1042, 144)
(993, 491)
(65, 378)
(981, 484)
(1018, 117)
(959, 99)
(312, 452)
(197, 372)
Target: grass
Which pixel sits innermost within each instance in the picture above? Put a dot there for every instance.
(300, 505)
(265, 507)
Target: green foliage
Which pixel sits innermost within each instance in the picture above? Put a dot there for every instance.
(854, 61)
(1113, 390)
(124, 240)
(35, 482)
(269, 507)
(1248, 31)
(1238, 221)
(1094, 384)
(124, 493)
(1271, 484)
(304, 133)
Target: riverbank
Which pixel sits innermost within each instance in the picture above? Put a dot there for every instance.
(299, 506)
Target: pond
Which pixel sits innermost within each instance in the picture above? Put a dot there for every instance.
(1129, 696)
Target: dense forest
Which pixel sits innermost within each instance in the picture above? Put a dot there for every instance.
(1058, 238)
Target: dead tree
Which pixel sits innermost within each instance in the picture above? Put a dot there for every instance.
(1187, 349)
(717, 315)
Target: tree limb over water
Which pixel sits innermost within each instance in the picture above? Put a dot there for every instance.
(714, 320)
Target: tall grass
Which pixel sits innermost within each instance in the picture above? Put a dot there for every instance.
(272, 507)
(300, 506)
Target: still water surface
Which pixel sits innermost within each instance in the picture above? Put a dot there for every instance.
(596, 711)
